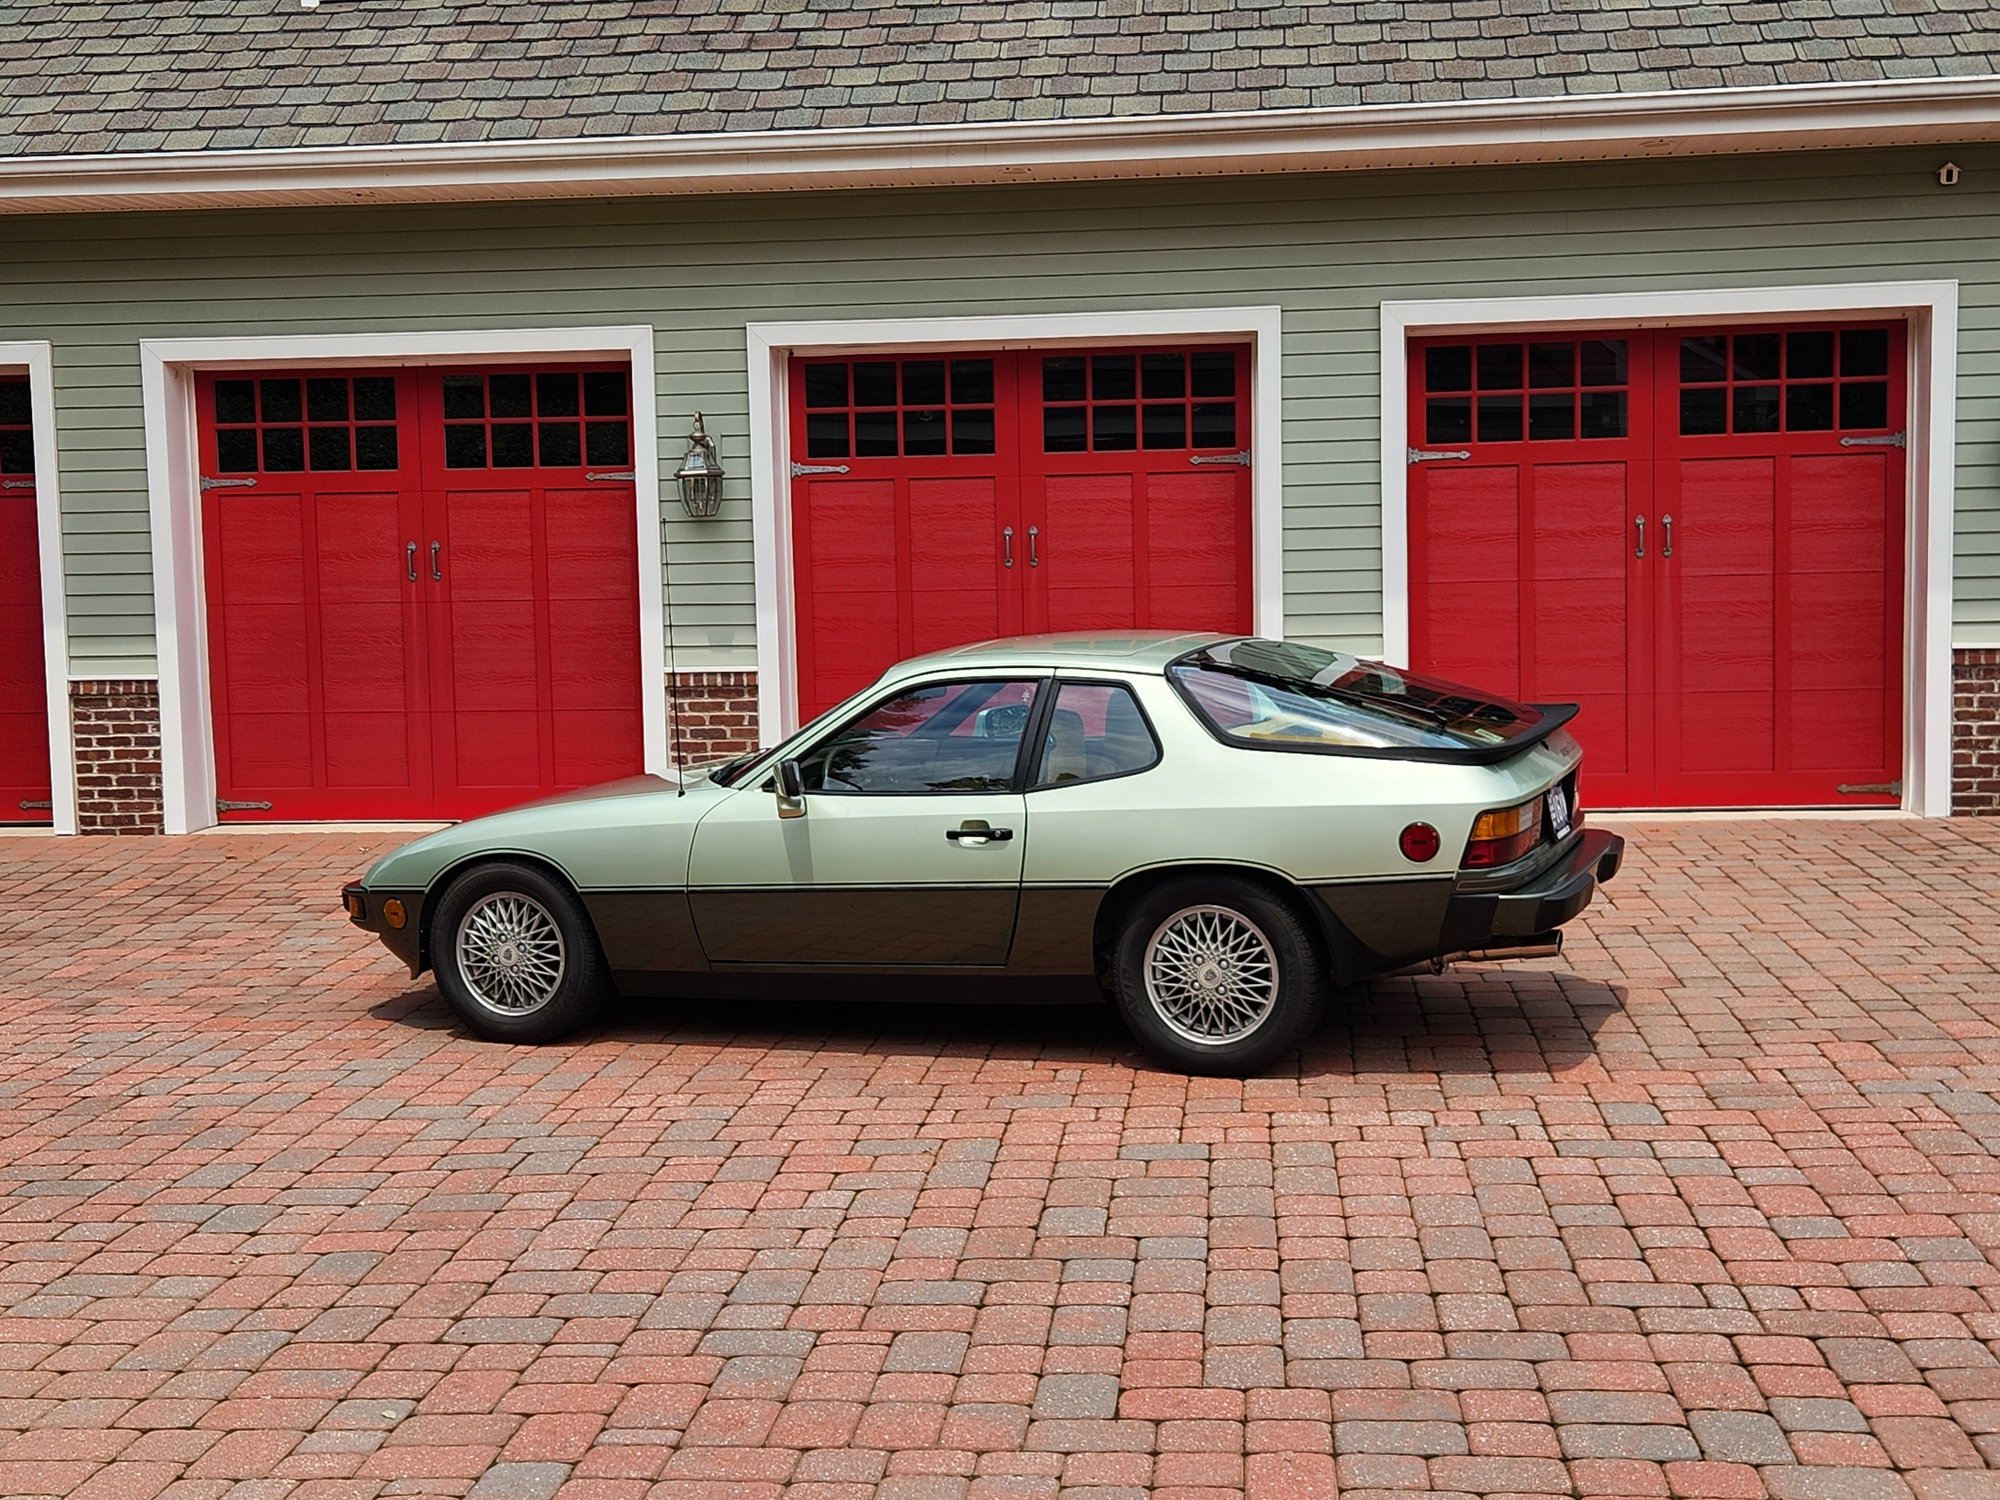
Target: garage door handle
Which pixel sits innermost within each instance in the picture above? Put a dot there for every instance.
(410, 559)
(1034, 547)
(978, 833)
(1007, 545)
(1667, 537)
(1640, 550)
(437, 574)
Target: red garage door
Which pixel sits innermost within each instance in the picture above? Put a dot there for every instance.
(1695, 534)
(941, 499)
(24, 703)
(422, 589)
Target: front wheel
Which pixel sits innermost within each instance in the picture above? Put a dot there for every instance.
(1218, 976)
(515, 955)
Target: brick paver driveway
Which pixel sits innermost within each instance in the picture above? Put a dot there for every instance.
(1710, 1209)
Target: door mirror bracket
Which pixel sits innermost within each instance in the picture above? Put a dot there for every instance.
(789, 783)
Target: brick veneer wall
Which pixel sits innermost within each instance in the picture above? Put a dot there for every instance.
(116, 727)
(712, 715)
(1975, 737)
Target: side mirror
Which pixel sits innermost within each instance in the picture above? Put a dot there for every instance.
(790, 783)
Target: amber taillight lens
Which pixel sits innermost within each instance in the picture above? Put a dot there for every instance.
(1503, 835)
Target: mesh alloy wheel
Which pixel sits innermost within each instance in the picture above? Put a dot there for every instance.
(1211, 975)
(511, 955)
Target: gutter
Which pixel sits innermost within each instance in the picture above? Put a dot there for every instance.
(1594, 127)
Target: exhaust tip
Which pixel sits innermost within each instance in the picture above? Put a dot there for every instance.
(1499, 949)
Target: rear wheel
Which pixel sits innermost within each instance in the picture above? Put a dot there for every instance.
(1218, 975)
(515, 954)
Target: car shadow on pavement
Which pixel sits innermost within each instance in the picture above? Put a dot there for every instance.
(1469, 1019)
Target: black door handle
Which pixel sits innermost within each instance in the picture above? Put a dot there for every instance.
(981, 831)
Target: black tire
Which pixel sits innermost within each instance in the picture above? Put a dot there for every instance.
(1209, 941)
(543, 985)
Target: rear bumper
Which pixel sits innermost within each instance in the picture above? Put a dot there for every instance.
(1541, 904)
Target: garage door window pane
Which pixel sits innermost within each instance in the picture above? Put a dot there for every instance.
(943, 737)
(17, 452)
(374, 399)
(1062, 379)
(607, 443)
(1865, 404)
(1062, 429)
(330, 450)
(972, 382)
(1809, 356)
(923, 433)
(972, 431)
(556, 394)
(1499, 419)
(875, 434)
(509, 396)
(606, 393)
(561, 445)
(1603, 414)
(1602, 362)
(513, 445)
(284, 450)
(236, 450)
(374, 447)
(464, 396)
(1113, 429)
(1704, 411)
(1166, 426)
(875, 385)
(326, 400)
(1164, 377)
(1214, 425)
(1864, 351)
(1448, 420)
(1756, 356)
(826, 385)
(826, 435)
(1755, 408)
(1213, 374)
(1809, 408)
(923, 382)
(1551, 365)
(279, 400)
(1704, 359)
(235, 400)
(1448, 368)
(465, 447)
(1113, 377)
(1500, 367)
(1551, 416)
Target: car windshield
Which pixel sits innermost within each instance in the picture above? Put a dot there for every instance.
(1282, 695)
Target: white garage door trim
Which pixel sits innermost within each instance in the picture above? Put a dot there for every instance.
(36, 357)
(771, 346)
(1931, 310)
(167, 369)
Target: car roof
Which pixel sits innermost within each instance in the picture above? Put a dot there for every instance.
(1123, 651)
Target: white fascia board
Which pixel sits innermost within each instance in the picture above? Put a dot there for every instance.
(1681, 122)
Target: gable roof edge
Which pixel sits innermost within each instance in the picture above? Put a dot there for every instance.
(1693, 122)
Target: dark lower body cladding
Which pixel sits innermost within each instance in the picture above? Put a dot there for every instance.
(1393, 924)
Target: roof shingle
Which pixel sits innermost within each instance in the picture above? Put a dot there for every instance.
(111, 75)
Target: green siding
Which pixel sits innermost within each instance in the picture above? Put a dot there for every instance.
(1327, 249)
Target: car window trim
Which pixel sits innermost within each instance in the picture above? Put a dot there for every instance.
(1152, 733)
(1036, 710)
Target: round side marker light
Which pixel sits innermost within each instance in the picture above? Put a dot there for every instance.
(395, 916)
(1419, 843)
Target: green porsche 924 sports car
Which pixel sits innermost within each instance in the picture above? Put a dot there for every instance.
(1217, 830)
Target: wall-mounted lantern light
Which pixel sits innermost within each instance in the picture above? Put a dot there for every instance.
(700, 473)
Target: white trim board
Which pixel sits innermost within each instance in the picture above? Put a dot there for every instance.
(1574, 127)
(167, 367)
(771, 345)
(1931, 310)
(37, 358)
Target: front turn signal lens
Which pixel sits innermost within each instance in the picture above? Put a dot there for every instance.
(393, 913)
(1503, 834)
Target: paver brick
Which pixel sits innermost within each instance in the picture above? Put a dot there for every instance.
(269, 1221)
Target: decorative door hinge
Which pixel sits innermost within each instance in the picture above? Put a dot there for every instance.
(27, 806)
(799, 471)
(17, 484)
(1241, 460)
(1893, 440)
(223, 805)
(627, 476)
(1433, 455)
(1870, 789)
(208, 484)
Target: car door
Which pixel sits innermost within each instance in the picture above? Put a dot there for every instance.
(909, 849)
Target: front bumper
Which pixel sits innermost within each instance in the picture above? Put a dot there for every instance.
(1541, 904)
(369, 910)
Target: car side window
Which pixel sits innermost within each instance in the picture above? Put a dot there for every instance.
(941, 737)
(1096, 731)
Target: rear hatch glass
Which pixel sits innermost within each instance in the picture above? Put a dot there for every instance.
(1279, 695)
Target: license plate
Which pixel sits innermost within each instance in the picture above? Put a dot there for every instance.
(1559, 812)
